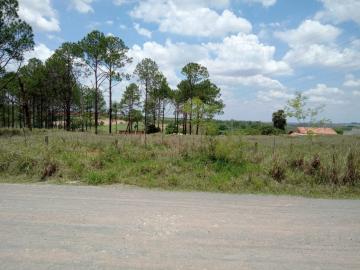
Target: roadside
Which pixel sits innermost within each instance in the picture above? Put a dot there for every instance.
(114, 227)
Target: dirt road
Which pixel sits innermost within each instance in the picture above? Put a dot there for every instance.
(68, 227)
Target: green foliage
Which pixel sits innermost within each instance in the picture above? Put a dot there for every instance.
(297, 108)
(152, 129)
(205, 163)
(339, 130)
(269, 130)
(16, 36)
(279, 119)
(171, 128)
(229, 151)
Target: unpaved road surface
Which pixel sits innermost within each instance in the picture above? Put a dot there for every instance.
(84, 228)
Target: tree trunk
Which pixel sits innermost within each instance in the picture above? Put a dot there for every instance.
(146, 101)
(96, 99)
(68, 114)
(110, 102)
(197, 123)
(12, 114)
(163, 118)
(25, 105)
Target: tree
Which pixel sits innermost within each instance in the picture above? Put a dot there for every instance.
(63, 75)
(159, 96)
(297, 108)
(147, 71)
(279, 119)
(16, 36)
(31, 82)
(129, 102)
(209, 95)
(93, 47)
(194, 74)
(114, 59)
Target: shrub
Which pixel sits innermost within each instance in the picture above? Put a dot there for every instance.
(269, 130)
(339, 131)
(171, 128)
(228, 151)
(152, 129)
(314, 165)
(10, 132)
(351, 174)
(297, 163)
(277, 170)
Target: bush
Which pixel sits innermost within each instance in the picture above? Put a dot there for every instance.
(227, 151)
(171, 128)
(152, 129)
(339, 131)
(269, 130)
(277, 170)
(10, 132)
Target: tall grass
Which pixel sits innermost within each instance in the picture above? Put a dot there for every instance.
(320, 166)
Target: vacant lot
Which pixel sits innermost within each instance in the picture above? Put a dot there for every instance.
(65, 227)
(309, 166)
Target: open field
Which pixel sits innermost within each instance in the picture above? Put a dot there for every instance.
(67, 227)
(307, 166)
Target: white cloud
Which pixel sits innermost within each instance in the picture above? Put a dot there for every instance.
(309, 32)
(191, 18)
(109, 22)
(235, 62)
(322, 55)
(340, 11)
(351, 81)
(82, 6)
(39, 14)
(41, 51)
(356, 93)
(324, 94)
(274, 94)
(313, 43)
(142, 31)
(123, 2)
(244, 55)
(265, 3)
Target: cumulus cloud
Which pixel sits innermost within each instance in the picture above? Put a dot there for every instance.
(324, 94)
(339, 11)
(41, 51)
(191, 18)
(82, 6)
(309, 32)
(351, 81)
(244, 55)
(314, 43)
(142, 31)
(236, 62)
(39, 14)
(265, 3)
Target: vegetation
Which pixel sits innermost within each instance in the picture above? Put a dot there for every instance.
(279, 119)
(45, 105)
(308, 166)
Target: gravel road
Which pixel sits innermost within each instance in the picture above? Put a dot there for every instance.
(84, 228)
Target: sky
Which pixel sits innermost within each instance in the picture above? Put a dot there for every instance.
(259, 52)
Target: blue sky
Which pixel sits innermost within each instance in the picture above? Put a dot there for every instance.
(260, 52)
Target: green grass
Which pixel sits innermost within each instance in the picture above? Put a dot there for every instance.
(306, 166)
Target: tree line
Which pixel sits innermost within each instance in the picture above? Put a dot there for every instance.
(52, 94)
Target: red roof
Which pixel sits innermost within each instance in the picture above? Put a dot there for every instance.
(316, 130)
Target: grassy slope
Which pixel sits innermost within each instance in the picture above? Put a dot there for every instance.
(235, 164)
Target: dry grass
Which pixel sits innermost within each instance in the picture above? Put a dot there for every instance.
(309, 166)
